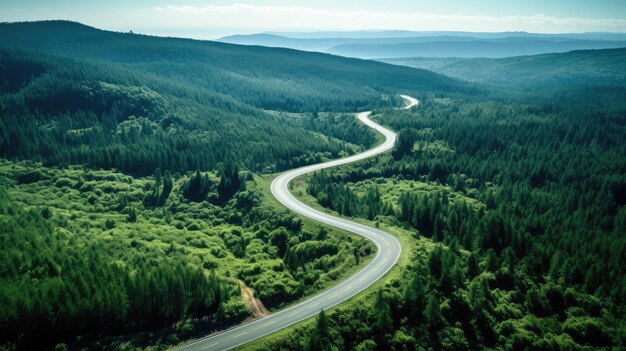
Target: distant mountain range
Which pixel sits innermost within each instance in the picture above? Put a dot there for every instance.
(412, 34)
(401, 44)
(581, 67)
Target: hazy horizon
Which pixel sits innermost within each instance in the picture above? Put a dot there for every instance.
(215, 19)
(211, 33)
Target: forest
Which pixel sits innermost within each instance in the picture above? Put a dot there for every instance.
(267, 78)
(73, 94)
(63, 112)
(163, 257)
(525, 203)
(135, 207)
(579, 67)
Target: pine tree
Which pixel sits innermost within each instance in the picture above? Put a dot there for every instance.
(168, 184)
(383, 322)
(320, 339)
(472, 266)
(230, 182)
(432, 314)
(197, 187)
(415, 296)
(132, 215)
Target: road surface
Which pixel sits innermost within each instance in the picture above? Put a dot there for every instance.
(387, 255)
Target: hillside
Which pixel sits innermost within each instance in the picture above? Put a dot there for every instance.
(596, 67)
(299, 81)
(61, 111)
(78, 95)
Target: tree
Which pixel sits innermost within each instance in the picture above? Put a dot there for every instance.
(432, 314)
(415, 296)
(320, 339)
(280, 238)
(159, 195)
(197, 187)
(132, 215)
(168, 184)
(472, 266)
(435, 262)
(230, 182)
(383, 323)
(404, 145)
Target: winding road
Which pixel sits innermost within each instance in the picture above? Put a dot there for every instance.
(388, 253)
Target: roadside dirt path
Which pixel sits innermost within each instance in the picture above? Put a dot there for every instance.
(256, 305)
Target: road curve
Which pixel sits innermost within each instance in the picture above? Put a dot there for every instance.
(387, 254)
(411, 101)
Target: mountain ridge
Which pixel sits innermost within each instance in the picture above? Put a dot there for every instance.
(395, 44)
(226, 68)
(597, 67)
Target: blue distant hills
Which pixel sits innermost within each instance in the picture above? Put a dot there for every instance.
(402, 44)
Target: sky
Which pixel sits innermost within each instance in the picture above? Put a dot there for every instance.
(213, 19)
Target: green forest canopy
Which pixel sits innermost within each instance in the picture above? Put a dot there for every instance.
(524, 190)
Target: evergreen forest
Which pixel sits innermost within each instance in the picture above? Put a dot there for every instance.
(136, 213)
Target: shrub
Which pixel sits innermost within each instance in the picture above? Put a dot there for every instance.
(63, 182)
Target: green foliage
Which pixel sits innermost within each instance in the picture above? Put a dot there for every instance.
(383, 322)
(107, 253)
(160, 191)
(48, 285)
(307, 251)
(587, 330)
(132, 215)
(303, 81)
(101, 115)
(80, 95)
(523, 194)
(230, 182)
(197, 187)
(320, 339)
(526, 203)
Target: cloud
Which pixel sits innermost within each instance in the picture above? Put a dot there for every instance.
(242, 15)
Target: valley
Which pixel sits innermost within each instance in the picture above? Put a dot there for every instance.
(168, 193)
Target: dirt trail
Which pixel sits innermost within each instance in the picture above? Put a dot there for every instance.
(256, 306)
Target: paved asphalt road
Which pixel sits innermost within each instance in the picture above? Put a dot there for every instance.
(387, 254)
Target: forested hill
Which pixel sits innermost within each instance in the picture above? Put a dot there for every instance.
(581, 67)
(72, 94)
(268, 78)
